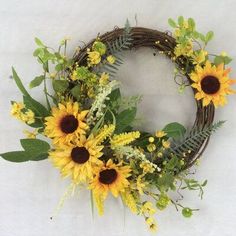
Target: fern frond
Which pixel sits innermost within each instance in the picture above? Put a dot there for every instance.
(116, 47)
(194, 139)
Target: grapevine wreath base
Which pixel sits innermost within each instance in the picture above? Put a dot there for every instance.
(144, 37)
(87, 127)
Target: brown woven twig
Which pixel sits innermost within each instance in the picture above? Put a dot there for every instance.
(144, 37)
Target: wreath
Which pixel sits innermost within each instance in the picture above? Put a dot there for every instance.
(87, 126)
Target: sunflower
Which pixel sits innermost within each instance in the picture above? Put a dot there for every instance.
(212, 84)
(66, 123)
(78, 159)
(110, 177)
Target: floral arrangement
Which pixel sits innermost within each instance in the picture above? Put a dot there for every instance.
(86, 127)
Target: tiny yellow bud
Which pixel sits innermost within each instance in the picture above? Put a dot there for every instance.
(151, 140)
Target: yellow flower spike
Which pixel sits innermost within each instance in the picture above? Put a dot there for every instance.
(124, 139)
(129, 201)
(104, 79)
(111, 59)
(104, 133)
(99, 202)
(165, 144)
(160, 134)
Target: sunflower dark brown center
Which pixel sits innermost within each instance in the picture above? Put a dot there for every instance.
(69, 124)
(210, 84)
(108, 176)
(80, 155)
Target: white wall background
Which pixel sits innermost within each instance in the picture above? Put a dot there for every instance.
(29, 192)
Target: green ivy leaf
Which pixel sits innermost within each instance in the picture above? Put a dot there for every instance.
(124, 119)
(60, 86)
(174, 130)
(36, 81)
(16, 156)
(172, 23)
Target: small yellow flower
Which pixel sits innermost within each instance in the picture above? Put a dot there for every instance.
(184, 49)
(111, 59)
(224, 54)
(151, 140)
(151, 224)
(147, 167)
(159, 154)
(148, 208)
(151, 147)
(160, 134)
(28, 117)
(31, 135)
(165, 144)
(94, 57)
(104, 79)
(16, 109)
(140, 185)
(199, 57)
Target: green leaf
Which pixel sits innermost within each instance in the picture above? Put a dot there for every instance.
(191, 23)
(204, 183)
(76, 92)
(19, 83)
(114, 95)
(36, 81)
(187, 212)
(35, 146)
(35, 106)
(195, 34)
(227, 60)
(174, 130)
(60, 86)
(124, 119)
(39, 42)
(202, 37)
(218, 60)
(172, 23)
(181, 20)
(16, 156)
(209, 36)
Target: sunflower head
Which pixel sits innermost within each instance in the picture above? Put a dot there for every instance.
(110, 177)
(78, 159)
(212, 84)
(66, 123)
